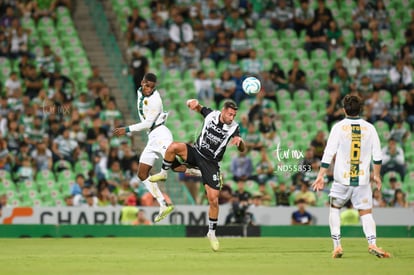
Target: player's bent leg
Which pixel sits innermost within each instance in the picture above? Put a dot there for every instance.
(175, 148)
(152, 187)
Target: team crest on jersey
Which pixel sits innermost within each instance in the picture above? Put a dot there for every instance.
(145, 102)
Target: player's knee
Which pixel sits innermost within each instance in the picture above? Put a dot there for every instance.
(213, 201)
(142, 175)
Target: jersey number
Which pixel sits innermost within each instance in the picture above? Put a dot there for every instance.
(355, 150)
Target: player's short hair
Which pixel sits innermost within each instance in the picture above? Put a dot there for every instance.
(230, 104)
(150, 77)
(352, 105)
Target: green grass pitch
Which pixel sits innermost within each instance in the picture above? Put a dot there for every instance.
(255, 256)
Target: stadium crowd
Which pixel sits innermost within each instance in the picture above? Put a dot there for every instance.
(48, 127)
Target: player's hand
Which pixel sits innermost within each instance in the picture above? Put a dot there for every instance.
(192, 104)
(119, 131)
(318, 184)
(236, 141)
(378, 182)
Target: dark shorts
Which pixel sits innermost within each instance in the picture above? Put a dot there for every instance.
(210, 170)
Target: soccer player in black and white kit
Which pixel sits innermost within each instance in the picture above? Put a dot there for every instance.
(219, 128)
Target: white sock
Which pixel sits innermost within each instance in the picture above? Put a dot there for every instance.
(335, 226)
(155, 191)
(368, 225)
(212, 225)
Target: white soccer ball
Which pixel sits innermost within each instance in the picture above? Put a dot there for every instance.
(251, 85)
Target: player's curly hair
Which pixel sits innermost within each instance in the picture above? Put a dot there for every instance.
(352, 105)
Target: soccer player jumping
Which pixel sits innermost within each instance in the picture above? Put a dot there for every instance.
(355, 142)
(218, 129)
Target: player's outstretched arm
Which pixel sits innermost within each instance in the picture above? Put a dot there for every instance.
(238, 141)
(194, 105)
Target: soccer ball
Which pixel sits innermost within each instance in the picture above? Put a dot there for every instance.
(251, 85)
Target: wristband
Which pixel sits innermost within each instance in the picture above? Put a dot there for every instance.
(127, 130)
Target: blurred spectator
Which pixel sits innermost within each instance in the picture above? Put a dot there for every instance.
(253, 138)
(303, 17)
(25, 172)
(203, 45)
(104, 196)
(297, 77)
(139, 66)
(34, 133)
(123, 191)
(318, 145)
(269, 88)
(395, 108)
(65, 148)
(399, 133)
(7, 18)
(110, 115)
(335, 71)
(380, 18)
(129, 212)
(33, 82)
(323, 14)
(401, 78)
(282, 194)
(141, 35)
(349, 216)
(378, 75)
(134, 20)
(374, 45)
(232, 65)
(240, 44)
(5, 158)
(399, 199)
(393, 159)
(241, 194)
(86, 198)
(95, 81)
(376, 109)
(264, 171)
(13, 86)
(195, 18)
(316, 39)
(385, 57)
(233, 23)
(364, 87)
(278, 76)
(252, 65)
(42, 156)
(204, 87)
(180, 31)
(242, 167)
(282, 17)
(48, 63)
(239, 94)
(19, 42)
(225, 195)
(115, 176)
(407, 55)
(268, 130)
(190, 57)
(301, 216)
(141, 219)
(377, 199)
(159, 35)
(13, 137)
(224, 88)
(361, 14)
(352, 63)
(212, 25)
(334, 36)
(390, 188)
(220, 47)
(360, 45)
(409, 109)
(77, 187)
(239, 215)
(171, 59)
(341, 83)
(4, 44)
(304, 193)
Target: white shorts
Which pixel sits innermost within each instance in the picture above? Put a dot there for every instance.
(361, 196)
(158, 141)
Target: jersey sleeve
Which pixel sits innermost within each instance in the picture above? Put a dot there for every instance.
(236, 132)
(331, 146)
(205, 111)
(376, 147)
